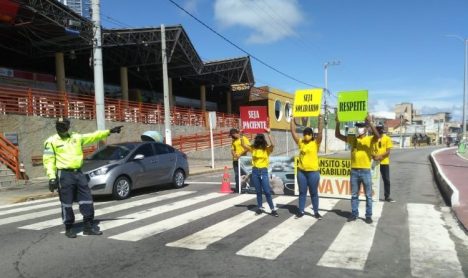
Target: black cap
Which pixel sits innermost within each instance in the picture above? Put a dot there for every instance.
(233, 131)
(62, 120)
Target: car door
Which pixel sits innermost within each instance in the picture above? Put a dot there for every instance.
(144, 176)
(165, 161)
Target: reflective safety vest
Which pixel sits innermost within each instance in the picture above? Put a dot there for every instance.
(67, 153)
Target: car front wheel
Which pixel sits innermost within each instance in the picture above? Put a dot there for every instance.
(122, 188)
(178, 179)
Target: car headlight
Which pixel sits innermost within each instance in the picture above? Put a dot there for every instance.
(99, 172)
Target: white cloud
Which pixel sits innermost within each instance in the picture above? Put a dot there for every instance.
(191, 6)
(269, 20)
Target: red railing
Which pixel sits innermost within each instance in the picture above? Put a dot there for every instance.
(201, 141)
(9, 155)
(35, 102)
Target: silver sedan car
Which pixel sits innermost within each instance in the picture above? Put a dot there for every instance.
(117, 169)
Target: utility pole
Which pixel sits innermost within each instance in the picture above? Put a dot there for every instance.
(325, 105)
(97, 62)
(167, 113)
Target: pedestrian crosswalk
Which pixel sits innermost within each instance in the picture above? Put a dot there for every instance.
(144, 217)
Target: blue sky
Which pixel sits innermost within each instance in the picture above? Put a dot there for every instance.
(398, 50)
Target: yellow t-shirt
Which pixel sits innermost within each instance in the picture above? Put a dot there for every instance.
(261, 158)
(236, 146)
(380, 147)
(361, 152)
(308, 157)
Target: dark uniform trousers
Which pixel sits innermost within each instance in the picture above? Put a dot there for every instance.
(73, 185)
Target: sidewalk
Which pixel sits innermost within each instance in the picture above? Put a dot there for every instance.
(38, 188)
(451, 172)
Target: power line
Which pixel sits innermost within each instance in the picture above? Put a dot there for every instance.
(240, 48)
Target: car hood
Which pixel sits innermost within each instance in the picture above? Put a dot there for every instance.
(90, 165)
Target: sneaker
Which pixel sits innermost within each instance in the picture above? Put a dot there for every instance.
(258, 212)
(274, 213)
(92, 231)
(299, 215)
(70, 233)
(369, 220)
(352, 218)
(390, 200)
(318, 216)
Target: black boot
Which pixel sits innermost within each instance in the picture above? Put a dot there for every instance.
(89, 230)
(69, 232)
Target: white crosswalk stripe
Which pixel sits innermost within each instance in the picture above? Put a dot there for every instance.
(58, 221)
(26, 204)
(431, 250)
(173, 222)
(278, 239)
(351, 247)
(130, 218)
(30, 207)
(212, 234)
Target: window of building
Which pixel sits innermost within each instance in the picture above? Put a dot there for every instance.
(288, 111)
(278, 110)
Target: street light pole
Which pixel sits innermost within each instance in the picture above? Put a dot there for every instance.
(465, 80)
(325, 68)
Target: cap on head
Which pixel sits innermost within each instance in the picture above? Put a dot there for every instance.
(380, 127)
(62, 125)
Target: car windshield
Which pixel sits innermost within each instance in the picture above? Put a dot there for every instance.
(112, 152)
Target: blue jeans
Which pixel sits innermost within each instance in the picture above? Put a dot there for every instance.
(261, 181)
(359, 176)
(308, 180)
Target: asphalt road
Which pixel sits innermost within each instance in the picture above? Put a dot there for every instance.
(197, 232)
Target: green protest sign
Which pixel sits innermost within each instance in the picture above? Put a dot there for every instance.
(352, 106)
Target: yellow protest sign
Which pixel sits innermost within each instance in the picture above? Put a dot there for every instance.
(352, 106)
(307, 103)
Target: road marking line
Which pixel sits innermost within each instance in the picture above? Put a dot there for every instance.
(32, 207)
(176, 221)
(278, 239)
(58, 221)
(351, 247)
(29, 203)
(200, 240)
(432, 252)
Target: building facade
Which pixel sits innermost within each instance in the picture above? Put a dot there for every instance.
(81, 7)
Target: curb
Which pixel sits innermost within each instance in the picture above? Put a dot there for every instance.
(35, 197)
(449, 192)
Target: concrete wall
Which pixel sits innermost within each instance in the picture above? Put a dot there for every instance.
(33, 131)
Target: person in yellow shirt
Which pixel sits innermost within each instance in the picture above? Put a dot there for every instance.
(381, 149)
(361, 156)
(261, 151)
(237, 151)
(308, 172)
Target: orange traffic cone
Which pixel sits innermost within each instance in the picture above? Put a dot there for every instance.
(226, 183)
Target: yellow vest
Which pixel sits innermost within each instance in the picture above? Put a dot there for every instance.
(308, 155)
(67, 153)
(361, 152)
(236, 145)
(261, 158)
(380, 147)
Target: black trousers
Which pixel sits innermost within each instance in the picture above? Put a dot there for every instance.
(235, 167)
(74, 186)
(385, 173)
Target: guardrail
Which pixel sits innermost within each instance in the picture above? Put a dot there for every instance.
(9, 155)
(35, 102)
(202, 141)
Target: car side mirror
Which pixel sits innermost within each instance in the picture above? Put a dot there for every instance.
(139, 157)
